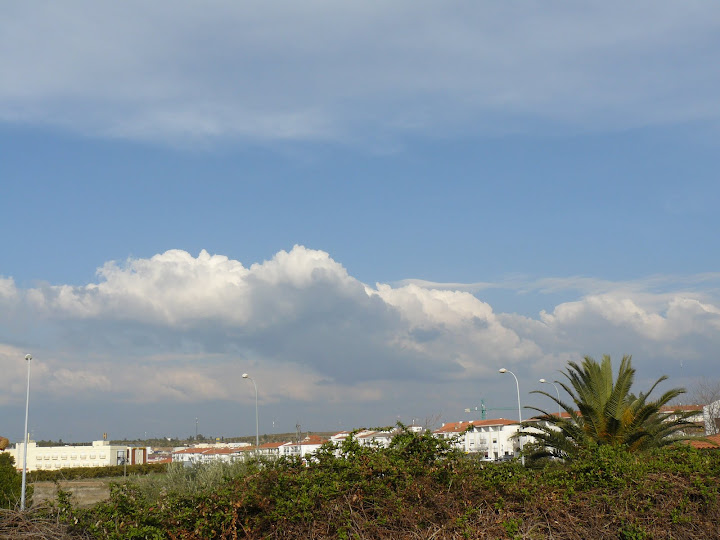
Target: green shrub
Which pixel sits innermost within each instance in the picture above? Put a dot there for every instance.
(10, 482)
(78, 473)
(418, 484)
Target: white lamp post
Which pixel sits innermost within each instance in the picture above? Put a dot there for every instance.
(556, 390)
(257, 424)
(517, 385)
(28, 357)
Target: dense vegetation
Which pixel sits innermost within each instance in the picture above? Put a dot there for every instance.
(10, 481)
(78, 473)
(418, 488)
(603, 411)
(623, 474)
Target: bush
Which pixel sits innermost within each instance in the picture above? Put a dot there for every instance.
(78, 473)
(418, 487)
(10, 482)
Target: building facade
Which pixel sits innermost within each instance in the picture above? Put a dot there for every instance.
(492, 439)
(97, 454)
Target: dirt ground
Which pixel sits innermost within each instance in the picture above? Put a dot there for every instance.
(84, 492)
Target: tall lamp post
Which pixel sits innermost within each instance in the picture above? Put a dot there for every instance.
(556, 390)
(517, 385)
(28, 357)
(257, 424)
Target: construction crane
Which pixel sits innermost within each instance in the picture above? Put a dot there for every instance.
(483, 410)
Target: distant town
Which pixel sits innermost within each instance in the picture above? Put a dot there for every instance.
(489, 439)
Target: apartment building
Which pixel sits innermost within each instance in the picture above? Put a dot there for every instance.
(97, 454)
(491, 439)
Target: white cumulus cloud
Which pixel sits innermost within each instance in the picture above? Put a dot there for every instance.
(178, 328)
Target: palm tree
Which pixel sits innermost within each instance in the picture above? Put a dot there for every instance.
(604, 412)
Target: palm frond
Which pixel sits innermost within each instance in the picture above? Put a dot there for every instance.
(603, 410)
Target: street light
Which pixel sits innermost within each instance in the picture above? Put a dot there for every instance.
(556, 390)
(517, 385)
(28, 357)
(257, 424)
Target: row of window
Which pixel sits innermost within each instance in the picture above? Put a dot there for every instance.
(46, 457)
(61, 465)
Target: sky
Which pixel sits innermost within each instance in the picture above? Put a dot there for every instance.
(370, 208)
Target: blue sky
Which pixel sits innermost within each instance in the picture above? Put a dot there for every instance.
(370, 208)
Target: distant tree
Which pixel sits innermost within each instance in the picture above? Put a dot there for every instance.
(603, 411)
(10, 482)
(431, 422)
(707, 393)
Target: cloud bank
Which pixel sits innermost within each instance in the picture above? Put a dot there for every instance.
(171, 71)
(176, 328)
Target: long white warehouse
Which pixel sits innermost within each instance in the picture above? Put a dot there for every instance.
(98, 454)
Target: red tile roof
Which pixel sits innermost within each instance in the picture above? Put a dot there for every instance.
(711, 441)
(217, 451)
(272, 445)
(188, 451)
(459, 427)
(681, 408)
(313, 439)
(209, 451)
(372, 434)
(497, 422)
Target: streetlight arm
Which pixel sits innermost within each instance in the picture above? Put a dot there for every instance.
(517, 386)
(257, 422)
(556, 390)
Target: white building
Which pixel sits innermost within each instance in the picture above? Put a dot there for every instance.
(711, 418)
(208, 454)
(367, 437)
(304, 448)
(98, 454)
(492, 439)
(271, 449)
(695, 412)
(374, 438)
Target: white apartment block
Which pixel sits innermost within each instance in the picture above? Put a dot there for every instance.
(98, 454)
(491, 439)
(270, 450)
(711, 418)
(304, 448)
(207, 454)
